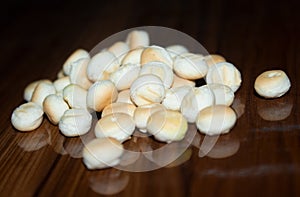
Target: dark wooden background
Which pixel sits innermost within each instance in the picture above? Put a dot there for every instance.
(36, 38)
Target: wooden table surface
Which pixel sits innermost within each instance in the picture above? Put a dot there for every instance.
(261, 155)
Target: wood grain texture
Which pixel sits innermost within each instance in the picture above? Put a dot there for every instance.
(261, 156)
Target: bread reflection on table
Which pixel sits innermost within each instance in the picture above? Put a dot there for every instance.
(274, 109)
(108, 182)
(216, 147)
(34, 141)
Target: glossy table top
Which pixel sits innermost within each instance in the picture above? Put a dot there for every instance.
(259, 157)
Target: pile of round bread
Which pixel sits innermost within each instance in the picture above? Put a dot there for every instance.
(134, 85)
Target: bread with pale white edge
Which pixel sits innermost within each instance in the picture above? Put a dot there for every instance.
(29, 89)
(156, 54)
(27, 117)
(54, 107)
(117, 125)
(224, 73)
(167, 125)
(102, 153)
(190, 66)
(216, 119)
(137, 38)
(41, 91)
(102, 65)
(142, 114)
(119, 108)
(75, 122)
(76, 55)
(100, 94)
(160, 69)
(147, 89)
(195, 100)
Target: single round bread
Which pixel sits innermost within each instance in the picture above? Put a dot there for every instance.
(117, 125)
(75, 122)
(76, 55)
(213, 59)
(167, 125)
(190, 66)
(216, 119)
(125, 75)
(133, 57)
(174, 97)
(78, 73)
(195, 100)
(54, 107)
(119, 49)
(142, 114)
(124, 97)
(102, 65)
(75, 96)
(41, 91)
(223, 94)
(100, 94)
(119, 108)
(30, 88)
(177, 49)
(61, 83)
(178, 82)
(272, 84)
(147, 89)
(156, 54)
(137, 38)
(224, 73)
(27, 117)
(160, 69)
(102, 153)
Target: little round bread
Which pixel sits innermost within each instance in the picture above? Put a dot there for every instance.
(101, 94)
(142, 114)
(41, 91)
(75, 96)
(75, 122)
(125, 75)
(102, 153)
(117, 125)
(61, 83)
(213, 59)
(124, 97)
(76, 55)
(156, 54)
(133, 57)
(27, 117)
(224, 73)
(174, 97)
(78, 73)
(119, 108)
(190, 66)
(177, 49)
(147, 89)
(167, 125)
(216, 119)
(160, 69)
(195, 100)
(54, 107)
(223, 94)
(119, 49)
(102, 65)
(137, 39)
(272, 84)
(30, 88)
